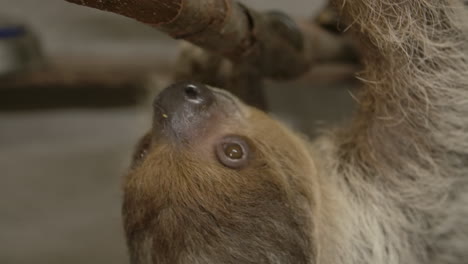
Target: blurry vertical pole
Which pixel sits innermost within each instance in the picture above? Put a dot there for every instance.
(271, 43)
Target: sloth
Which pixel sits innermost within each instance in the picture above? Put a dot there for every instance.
(218, 181)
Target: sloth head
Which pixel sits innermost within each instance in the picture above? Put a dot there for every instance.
(216, 181)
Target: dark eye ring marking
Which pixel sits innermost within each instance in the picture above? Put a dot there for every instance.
(233, 152)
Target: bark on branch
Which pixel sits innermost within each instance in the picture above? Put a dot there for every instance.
(269, 42)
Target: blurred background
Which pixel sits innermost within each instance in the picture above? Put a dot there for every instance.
(74, 99)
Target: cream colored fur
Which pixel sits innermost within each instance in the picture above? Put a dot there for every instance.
(395, 181)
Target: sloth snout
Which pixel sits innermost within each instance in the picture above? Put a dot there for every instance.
(184, 95)
(182, 108)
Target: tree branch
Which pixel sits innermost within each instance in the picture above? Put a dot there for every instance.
(269, 42)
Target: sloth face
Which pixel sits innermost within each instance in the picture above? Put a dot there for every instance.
(218, 181)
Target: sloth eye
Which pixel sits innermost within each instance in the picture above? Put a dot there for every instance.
(233, 152)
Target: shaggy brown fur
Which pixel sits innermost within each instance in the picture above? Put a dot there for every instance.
(182, 206)
(391, 188)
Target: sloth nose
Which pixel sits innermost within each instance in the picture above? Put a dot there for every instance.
(182, 106)
(197, 94)
(183, 95)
